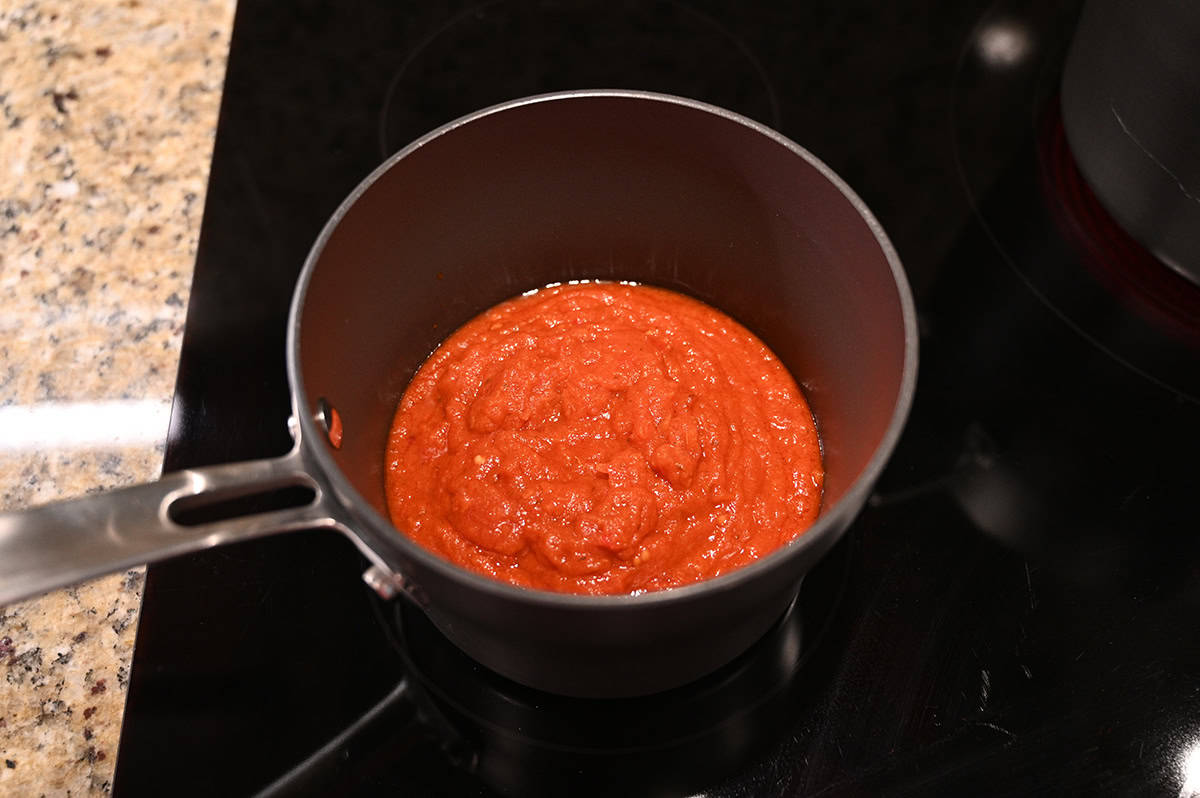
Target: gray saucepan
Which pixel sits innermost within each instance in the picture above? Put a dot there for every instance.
(619, 185)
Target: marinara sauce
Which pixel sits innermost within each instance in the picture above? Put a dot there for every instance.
(603, 438)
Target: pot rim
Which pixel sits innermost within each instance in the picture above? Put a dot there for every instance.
(387, 534)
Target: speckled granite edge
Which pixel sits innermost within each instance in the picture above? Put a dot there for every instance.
(107, 117)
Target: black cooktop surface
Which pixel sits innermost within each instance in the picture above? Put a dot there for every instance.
(1015, 611)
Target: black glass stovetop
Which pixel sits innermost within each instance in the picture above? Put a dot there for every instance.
(1015, 611)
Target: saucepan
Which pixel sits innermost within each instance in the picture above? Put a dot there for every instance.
(582, 185)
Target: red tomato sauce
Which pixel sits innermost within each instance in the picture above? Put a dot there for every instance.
(603, 438)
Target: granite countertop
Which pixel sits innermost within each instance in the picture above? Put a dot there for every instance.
(109, 109)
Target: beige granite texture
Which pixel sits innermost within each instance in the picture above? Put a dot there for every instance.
(108, 115)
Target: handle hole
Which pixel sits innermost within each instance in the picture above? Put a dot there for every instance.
(208, 508)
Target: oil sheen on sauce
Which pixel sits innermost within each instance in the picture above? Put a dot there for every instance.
(603, 438)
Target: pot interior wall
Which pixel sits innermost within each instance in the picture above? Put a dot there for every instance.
(619, 188)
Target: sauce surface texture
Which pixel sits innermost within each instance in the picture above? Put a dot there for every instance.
(603, 438)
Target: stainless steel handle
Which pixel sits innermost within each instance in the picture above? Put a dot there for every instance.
(67, 542)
